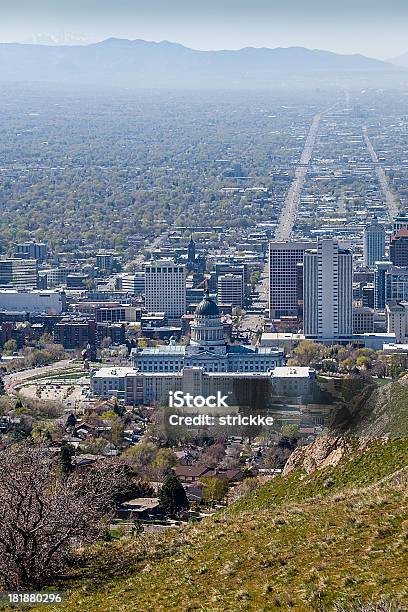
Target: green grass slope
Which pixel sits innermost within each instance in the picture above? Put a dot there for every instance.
(333, 540)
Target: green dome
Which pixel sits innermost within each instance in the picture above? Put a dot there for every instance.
(207, 307)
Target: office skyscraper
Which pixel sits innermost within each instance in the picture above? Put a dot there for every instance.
(165, 288)
(374, 243)
(230, 290)
(381, 268)
(328, 291)
(399, 248)
(284, 258)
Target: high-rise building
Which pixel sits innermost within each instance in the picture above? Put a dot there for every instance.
(328, 291)
(400, 222)
(31, 250)
(399, 248)
(165, 291)
(397, 320)
(229, 268)
(374, 243)
(284, 258)
(230, 290)
(396, 284)
(19, 273)
(367, 294)
(381, 268)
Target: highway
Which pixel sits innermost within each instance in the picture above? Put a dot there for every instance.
(288, 213)
(382, 178)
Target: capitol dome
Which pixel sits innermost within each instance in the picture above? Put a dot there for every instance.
(207, 331)
(207, 307)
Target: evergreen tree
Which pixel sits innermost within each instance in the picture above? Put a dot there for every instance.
(172, 496)
(71, 420)
(67, 452)
(118, 409)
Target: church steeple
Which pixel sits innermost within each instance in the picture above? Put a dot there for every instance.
(191, 251)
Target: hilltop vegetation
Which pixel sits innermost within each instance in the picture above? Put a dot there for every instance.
(331, 540)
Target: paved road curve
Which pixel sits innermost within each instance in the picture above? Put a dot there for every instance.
(382, 178)
(11, 380)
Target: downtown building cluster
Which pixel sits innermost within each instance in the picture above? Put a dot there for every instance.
(320, 290)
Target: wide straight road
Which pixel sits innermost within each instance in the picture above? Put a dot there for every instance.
(289, 210)
(390, 200)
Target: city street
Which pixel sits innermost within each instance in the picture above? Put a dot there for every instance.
(288, 213)
(12, 380)
(382, 178)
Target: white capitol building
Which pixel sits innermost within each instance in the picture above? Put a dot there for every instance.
(207, 349)
(204, 367)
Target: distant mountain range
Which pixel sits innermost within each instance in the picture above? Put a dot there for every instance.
(139, 63)
(401, 60)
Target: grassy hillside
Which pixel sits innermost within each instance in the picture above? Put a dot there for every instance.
(376, 411)
(328, 541)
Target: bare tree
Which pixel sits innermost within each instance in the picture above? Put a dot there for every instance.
(45, 515)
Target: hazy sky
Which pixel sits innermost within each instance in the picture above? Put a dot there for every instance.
(374, 27)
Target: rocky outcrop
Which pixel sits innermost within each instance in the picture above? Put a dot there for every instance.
(325, 451)
(374, 413)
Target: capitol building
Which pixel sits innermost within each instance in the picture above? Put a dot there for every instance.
(207, 349)
(205, 366)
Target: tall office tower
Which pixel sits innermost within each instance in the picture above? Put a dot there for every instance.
(299, 281)
(165, 288)
(396, 284)
(399, 248)
(31, 250)
(374, 243)
(400, 222)
(230, 290)
(381, 268)
(328, 291)
(19, 273)
(283, 259)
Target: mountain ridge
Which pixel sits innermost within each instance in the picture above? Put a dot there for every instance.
(400, 61)
(144, 63)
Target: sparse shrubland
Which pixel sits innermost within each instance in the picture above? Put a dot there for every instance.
(336, 539)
